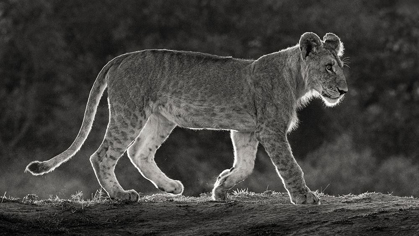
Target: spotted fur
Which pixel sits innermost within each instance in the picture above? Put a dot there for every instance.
(151, 92)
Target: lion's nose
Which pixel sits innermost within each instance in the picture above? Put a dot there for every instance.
(342, 91)
(342, 87)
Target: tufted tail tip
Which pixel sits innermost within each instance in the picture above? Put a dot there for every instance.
(37, 168)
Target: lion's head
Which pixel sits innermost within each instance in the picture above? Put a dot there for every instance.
(323, 68)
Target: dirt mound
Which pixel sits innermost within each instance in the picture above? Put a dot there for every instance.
(245, 213)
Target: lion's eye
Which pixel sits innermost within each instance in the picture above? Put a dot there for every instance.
(329, 67)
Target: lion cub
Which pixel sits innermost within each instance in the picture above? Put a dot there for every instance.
(151, 92)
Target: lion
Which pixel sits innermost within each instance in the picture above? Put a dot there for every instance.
(150, 92)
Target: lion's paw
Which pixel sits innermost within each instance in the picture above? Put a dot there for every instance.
(306, 198)
(175, 187)
(129, 195)
(219, 194)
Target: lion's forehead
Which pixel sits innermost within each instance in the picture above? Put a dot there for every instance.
(325, 57)
(333, 56)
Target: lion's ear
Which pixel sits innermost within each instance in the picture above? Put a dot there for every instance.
(309, 43)
(332, 42)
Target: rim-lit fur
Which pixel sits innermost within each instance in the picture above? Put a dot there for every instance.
(151, 92)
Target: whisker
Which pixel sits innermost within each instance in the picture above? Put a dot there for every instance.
(346, 61)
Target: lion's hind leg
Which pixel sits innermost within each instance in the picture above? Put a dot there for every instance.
(141, 153)
(245, 147)
(121, 132)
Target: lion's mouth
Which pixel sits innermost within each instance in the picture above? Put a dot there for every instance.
(326, 95)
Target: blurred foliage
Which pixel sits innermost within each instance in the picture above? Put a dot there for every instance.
(338, 168)
(51, 51)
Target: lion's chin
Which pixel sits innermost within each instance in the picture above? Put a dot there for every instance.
(330, 102)
(328, 99)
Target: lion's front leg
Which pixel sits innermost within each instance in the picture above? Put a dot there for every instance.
(279, 150)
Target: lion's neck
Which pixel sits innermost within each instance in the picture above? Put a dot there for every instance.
(293, 68)
(296, 79)
(302, 92)
(286, 65)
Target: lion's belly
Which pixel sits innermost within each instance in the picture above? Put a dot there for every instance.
(198, 116)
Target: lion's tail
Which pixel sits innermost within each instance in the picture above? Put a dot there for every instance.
(43, 167)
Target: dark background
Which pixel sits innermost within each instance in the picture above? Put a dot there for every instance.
(51, 52)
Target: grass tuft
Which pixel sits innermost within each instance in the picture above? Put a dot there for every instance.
(238, 192)
(30, 199)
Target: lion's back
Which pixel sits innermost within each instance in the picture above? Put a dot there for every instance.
(180, 73)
